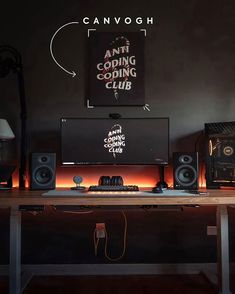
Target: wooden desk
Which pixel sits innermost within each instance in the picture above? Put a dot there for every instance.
(220, 198)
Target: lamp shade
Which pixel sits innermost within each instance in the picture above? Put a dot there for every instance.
(5, 130)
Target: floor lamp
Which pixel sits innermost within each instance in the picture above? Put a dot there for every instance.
(6, 170)
(10, 61)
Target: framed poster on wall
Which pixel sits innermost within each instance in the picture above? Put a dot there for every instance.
(116, 69)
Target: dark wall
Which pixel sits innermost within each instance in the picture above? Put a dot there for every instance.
(190, 66)
(189, 62)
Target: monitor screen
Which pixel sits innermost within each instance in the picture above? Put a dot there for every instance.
(90, 141)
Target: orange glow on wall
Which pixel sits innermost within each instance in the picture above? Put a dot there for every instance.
(143, 176)
(202, 179)
(132, 175)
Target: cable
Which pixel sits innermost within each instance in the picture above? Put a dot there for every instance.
(74, 211)
(78, 212)
(96, 241)
(124, 241)
(198, 140)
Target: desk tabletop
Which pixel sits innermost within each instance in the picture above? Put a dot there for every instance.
(144, 197)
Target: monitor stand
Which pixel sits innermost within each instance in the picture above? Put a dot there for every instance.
(78, 188)
(162, 184)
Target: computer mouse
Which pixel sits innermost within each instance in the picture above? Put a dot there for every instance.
(157, 190)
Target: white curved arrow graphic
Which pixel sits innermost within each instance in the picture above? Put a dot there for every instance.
(146, 107)
(72, 73)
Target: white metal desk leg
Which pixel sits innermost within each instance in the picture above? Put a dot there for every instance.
(15, 251)
(223, 249)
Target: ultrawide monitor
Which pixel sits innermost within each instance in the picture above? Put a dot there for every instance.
(102, 141)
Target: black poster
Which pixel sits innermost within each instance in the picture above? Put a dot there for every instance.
(116, 71)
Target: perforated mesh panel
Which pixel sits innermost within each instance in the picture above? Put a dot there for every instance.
(223, 128)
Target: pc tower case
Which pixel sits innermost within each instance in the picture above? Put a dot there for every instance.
(220, 154)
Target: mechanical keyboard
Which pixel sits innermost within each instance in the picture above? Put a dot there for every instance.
(103, 188)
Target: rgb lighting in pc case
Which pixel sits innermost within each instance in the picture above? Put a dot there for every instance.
(220, 154)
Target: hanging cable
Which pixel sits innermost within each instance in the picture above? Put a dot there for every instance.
(124, 241)
(96, 241)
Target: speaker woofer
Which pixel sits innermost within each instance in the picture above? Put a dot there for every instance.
(186, 175)
(43, 175)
